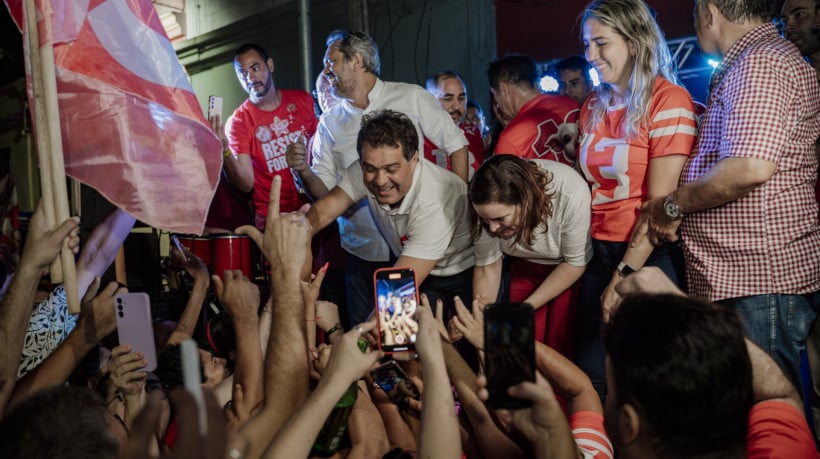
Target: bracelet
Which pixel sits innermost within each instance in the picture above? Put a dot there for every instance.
(334, 329)
(227, 153)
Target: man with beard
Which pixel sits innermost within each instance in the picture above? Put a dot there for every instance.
(262, 129)
(449, 89)
(798, 18)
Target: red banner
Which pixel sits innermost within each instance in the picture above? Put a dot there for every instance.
(132, 127)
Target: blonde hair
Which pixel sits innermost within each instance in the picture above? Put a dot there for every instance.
(633, 21)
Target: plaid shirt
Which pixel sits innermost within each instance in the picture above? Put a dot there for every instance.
(764, 103)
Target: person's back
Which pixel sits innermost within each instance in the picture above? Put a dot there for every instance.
(685, 382)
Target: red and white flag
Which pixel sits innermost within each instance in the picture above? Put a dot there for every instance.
(131, 125)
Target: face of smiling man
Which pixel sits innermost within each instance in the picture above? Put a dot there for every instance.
(386, 174)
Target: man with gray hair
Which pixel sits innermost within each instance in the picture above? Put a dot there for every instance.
(352, 68)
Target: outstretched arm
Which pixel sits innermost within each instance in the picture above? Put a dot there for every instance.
(285, 245)
(101, 247)
(347, 364)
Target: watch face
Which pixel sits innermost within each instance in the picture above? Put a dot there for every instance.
(671, 208)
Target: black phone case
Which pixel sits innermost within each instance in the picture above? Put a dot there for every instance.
(509, 346)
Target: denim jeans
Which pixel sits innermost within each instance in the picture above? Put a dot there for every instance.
(590, 355)
(779, 324)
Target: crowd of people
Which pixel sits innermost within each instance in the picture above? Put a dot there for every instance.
(671, 255)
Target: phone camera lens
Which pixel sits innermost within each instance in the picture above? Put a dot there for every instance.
(121, 314)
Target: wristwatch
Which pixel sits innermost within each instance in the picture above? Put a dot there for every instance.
(624, 269)
(671, 207)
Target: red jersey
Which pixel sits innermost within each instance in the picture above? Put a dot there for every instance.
(539, 130)
(475, 150)
(617, 168)
(265, 136)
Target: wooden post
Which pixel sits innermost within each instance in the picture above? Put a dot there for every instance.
(50, 144)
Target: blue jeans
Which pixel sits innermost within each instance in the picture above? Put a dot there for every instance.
(779, 324)
(590, 354)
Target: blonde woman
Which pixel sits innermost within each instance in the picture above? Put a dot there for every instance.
(637, 129)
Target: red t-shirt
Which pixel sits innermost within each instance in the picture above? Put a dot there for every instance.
(778, 430)
(617, 168)
(265, 136)
(475, 150)
(537, 130)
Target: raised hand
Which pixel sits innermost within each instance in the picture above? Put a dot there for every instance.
(286, 238)
(126, 372)
(470, 324)
(43, 244)
(239, 295)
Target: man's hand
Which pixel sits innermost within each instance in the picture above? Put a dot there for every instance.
(219, 129)
(297, 157)
(543, 424)
(286, 238)
(97, 318)
(43, 245)
(239, 295)
(661, 228)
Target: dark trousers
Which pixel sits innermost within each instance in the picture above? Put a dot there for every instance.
(590, 355)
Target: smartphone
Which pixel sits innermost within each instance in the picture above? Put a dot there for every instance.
(192, 379)
(394, 382)
(396, 298)
(134, 326)
(214, 106)
(509, 346)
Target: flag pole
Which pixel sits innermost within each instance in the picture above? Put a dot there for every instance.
(50, 146)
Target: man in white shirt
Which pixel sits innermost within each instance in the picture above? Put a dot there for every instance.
(352, 68)
(420, 209)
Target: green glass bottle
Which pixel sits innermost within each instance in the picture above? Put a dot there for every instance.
(330, 437)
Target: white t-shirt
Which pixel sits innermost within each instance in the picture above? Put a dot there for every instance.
(568, 229)
(334, 149)
(430, 223)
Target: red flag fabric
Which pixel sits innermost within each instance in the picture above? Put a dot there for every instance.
(132, 127)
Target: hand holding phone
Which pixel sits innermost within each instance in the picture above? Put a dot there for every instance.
(509, 346)
(396, 298)
(394, 382)
(214, 106)
(134, 326)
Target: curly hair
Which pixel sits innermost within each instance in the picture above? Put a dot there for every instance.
(510, 180)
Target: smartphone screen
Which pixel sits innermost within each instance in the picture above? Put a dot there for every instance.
(214, 106)
(509, 346)
(396, 300)
(394, 382)
(134, 326)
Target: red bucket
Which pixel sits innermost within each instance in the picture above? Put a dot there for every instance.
(231, 251)
(199, 246)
